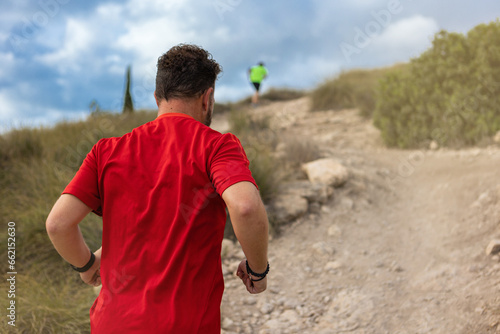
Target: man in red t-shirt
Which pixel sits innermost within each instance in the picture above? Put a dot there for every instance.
(162, 191)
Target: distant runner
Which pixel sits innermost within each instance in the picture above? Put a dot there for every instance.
(257, 73)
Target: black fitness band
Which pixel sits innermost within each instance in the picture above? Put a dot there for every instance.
(87, 266)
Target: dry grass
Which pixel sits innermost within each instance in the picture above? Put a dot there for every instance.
(35, 166)
(351, 89)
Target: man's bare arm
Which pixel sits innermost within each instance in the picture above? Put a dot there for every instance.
(62, 228)
(251, 228)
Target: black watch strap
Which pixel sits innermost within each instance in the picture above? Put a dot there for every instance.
(87, 266)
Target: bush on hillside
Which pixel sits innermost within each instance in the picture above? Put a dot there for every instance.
(20, 144)
(450, 94)
(259, 142)
(351, 89)
(282, 94)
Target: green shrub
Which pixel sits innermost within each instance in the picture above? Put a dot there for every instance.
(351, 89)
(449, 94)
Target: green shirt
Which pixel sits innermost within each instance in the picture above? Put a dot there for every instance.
(257, 73)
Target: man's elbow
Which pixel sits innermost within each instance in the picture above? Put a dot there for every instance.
(54, 226)
(51, 226)
(246, 208)
(252, 212)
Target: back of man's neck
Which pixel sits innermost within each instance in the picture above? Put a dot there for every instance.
(176, 106)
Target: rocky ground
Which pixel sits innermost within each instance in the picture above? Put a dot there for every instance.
(401, 247)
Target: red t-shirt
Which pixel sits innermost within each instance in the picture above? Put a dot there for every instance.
(158, 190)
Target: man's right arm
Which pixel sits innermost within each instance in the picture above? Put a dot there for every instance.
(251, 228)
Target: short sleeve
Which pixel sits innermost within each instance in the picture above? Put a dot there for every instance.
(85, 184)
(229, 164)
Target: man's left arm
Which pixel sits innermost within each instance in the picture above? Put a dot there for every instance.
(62, 228)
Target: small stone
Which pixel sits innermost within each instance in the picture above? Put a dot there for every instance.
(290, 316)
(250, 301)
(275, 290)
(396, 267)
(291, 304)
(267, 308)
(226, 323)
(333, 265)
(334, 231)
(493, 247)
(273, 324)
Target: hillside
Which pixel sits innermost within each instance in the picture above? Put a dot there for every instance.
(400, 248)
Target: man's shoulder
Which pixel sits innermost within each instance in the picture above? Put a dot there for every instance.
(227, 142)
(225, 137)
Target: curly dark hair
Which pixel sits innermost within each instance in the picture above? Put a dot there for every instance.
(185, 71)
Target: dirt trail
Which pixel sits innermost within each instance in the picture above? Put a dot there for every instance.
(399, 249)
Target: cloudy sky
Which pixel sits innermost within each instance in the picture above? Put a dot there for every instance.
(56, 56)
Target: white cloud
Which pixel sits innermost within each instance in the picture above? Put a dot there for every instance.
(149, 39)
(112, 12)
(407, 37)
(76, 46)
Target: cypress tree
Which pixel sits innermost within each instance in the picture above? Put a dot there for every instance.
(128, 105)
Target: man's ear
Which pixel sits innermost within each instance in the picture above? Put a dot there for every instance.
(206, 98)
(156, 99)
